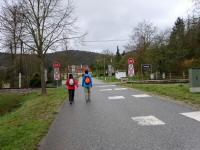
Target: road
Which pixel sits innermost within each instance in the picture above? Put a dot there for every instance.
(123, 119)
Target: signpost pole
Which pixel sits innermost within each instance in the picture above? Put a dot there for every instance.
(104, 70)
(141, 72)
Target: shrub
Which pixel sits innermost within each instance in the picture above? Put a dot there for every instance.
(8, 102)
(35, 81)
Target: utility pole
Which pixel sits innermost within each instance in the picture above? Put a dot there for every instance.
(104, 69)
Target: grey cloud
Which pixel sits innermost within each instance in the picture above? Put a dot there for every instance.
(115, 19)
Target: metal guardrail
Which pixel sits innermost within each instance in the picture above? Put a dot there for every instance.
(124, 80)
(159, 81)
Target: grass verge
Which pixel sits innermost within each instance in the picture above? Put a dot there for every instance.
(23, 128)
(179, 92)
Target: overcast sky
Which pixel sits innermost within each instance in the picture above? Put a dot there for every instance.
(116, 19)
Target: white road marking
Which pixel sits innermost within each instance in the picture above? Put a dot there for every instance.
(116, 97)
(141, 95)
(193, 115)
(120, 89)
(148, 121)
(104, 86)
(104, 90)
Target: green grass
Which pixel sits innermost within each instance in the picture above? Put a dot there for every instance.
(179, 92)
(9, 102)
(23, 128)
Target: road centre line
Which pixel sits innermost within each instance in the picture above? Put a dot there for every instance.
(147, 121)
(104, 90)
(192, 115)
(104, 86)
(120, 89)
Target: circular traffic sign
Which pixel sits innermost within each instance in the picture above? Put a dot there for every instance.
(131, 61)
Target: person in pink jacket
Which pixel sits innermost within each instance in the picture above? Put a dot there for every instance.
(72, 84)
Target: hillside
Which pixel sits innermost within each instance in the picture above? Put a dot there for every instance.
(70, 57)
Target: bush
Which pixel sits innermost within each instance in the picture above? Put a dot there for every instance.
(35, 81)
(9, 101)
(1, 83)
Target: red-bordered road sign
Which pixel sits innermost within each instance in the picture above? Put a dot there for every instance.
(56, 65)
(131, 61)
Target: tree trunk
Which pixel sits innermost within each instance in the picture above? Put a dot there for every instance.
(42, 68)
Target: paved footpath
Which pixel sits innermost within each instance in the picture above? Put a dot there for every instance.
(123, 119)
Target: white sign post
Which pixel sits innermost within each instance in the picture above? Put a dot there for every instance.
(20, 80)
(56, 72)
(110, 70)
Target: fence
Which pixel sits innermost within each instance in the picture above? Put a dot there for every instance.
(170, 76)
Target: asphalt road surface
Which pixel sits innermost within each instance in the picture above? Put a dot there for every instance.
(123, 119)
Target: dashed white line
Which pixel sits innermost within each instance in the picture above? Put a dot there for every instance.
(141, 95)
(104, 90)
(116, 97)
(148, 121)
(193, 115)
(104, 86)
(120, 89)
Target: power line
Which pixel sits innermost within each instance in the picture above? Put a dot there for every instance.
(98, 41)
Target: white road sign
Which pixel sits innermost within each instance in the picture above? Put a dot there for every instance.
(56, 74)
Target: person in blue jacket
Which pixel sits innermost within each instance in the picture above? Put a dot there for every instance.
(87, 84)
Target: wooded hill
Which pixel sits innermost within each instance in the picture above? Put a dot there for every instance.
(70, 57)
(73, 57)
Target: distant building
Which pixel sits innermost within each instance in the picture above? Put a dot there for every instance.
(76, 70)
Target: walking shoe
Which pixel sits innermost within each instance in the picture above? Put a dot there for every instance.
(88, 101)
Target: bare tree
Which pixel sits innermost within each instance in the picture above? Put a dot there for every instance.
(144, 34)
(196, 8)
(11, 27)
(142, 38)
(45, 22)
(162, 38)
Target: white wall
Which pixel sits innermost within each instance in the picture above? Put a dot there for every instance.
(120, 75)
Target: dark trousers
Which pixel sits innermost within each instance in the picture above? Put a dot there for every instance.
(71, 95)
